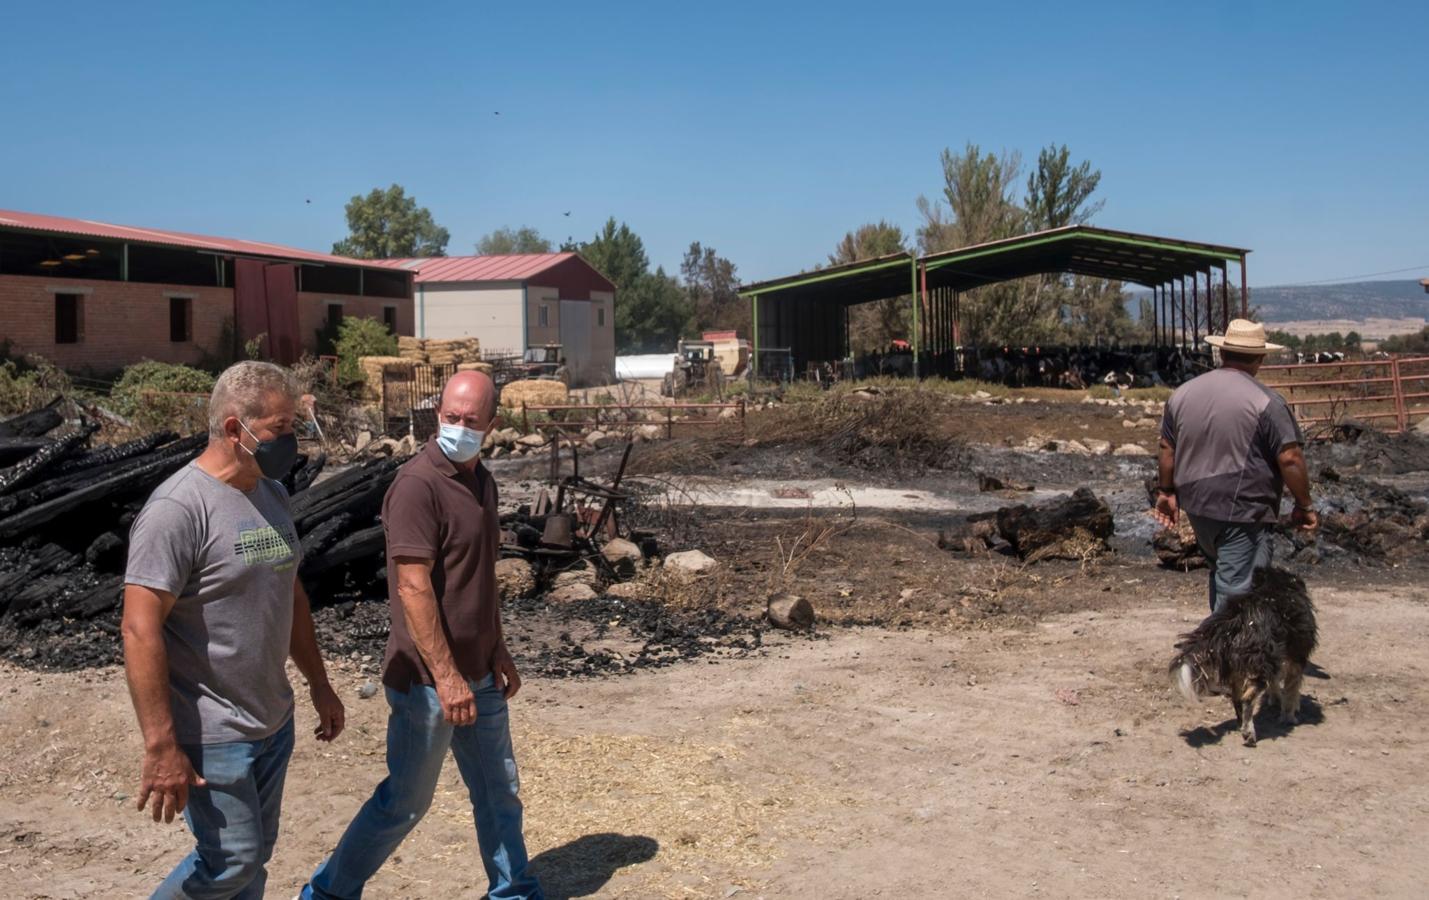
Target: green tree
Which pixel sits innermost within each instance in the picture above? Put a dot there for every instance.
(711, 287)
(652, 311)
(1407, 343)
(387, 224)
(358, 337)
(505, 241)
(1057, 191)
(874, 325)
(652, 314)
(616, 251)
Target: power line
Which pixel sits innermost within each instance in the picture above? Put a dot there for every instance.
(1345, 278)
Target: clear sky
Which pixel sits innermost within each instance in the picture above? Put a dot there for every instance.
(1300, 130)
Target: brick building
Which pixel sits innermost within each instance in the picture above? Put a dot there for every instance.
(96, 296)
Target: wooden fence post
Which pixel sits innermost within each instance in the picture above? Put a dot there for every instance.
(1401, 415)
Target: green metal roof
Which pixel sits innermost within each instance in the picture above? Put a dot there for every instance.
(1077, 249)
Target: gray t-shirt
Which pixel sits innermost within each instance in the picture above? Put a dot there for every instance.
(230, 558)
(1227, 430)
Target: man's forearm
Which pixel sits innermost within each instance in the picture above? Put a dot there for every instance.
(424, 624)
(1166, 466)
(1296, 476)
(146, 668)
(303, 644)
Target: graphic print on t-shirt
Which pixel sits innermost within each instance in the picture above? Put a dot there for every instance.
(263, 544)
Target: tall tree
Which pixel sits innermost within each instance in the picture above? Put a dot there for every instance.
(505, 241)
(1057, 191)
(712, 289)
(874, 325)
(616, 251)
(388, 223)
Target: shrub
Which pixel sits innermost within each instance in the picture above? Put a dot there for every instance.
(156, 410)
(28, 383)
(356, 338)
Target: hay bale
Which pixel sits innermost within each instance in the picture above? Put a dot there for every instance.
(534, 393)
(484, 368)
(406, 342)
(373, 369)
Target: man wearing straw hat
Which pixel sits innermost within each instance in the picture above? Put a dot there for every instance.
(1229, 448)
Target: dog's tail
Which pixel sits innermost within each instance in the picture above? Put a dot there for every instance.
(1185, 678)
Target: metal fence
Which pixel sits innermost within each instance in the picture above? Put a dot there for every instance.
(410, 396)
(1392, 394)
(617, 415)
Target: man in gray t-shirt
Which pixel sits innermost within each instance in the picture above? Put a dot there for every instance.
(212, 611)
(1229, 447)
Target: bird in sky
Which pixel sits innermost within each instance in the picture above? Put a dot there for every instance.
(567, 214)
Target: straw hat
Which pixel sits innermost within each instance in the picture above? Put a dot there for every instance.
(1243, 336)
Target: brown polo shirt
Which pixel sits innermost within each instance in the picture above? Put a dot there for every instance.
(436, 511)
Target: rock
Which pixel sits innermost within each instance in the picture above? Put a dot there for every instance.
(534, 439)
(514, 578)
(790, 611)
(386, 446)
(505, 437)
(496, 452)
(1075, 447)
(1130, 450)
(363, 439)
(1099, 447)
(1423, 427)
(649, 432)
(981, 395)
(367, 691)
(596, 439)
(1127, 423)
(1147, 422)
(690, 562)
(626, 590)
(623, 556)
(407, 446)
(575, 576)
(987, 483)
(730, 413)
(571, 593)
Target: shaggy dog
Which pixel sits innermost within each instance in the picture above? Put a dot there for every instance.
(1256, 643)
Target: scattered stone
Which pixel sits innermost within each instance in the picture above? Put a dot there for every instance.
(690, 562)
(408, 445)
(624, 557)
(1131, 450)
(596, 440)
(363, 439)
(626, 590)
(367, 691)
(514, 578)
(981, 395)
(1075, 447)
(1098, 446)
(1147, 422)
(790, 611)
(986, 483)
(1127, 423)
(649, 432)
(583, 575)
(730, 413)
(534, 439)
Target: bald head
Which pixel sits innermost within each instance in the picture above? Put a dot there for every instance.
(469, 400)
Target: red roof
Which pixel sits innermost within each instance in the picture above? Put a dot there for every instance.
(508, 267)
(89, 228)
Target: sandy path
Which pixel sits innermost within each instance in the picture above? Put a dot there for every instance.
(1047, 760)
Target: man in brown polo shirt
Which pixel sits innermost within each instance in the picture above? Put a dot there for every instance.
(447, 671)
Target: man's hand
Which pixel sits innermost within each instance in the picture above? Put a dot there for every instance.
(504, 667)
(458, 702)
(168, 774)
(332, 716)
(1305, 519)
(1166, 511)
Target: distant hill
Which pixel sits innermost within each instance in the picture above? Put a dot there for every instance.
(1358, 301)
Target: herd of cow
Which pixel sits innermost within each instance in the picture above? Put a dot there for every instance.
(1069, 367)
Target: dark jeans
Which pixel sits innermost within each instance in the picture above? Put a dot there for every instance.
(1236, 551)
(235, 818)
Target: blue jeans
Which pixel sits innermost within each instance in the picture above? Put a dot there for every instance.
(1236, 551)
(417, 742)
(234, 819)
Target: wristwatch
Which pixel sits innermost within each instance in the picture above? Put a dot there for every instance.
(1168, 492)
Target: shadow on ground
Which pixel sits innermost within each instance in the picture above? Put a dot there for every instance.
(1268, 726)
(583, 866)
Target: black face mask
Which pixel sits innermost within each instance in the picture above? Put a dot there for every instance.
(275, 458)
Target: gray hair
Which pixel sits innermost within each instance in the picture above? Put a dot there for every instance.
(243, 390)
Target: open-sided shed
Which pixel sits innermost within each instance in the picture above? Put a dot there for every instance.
(808, 312)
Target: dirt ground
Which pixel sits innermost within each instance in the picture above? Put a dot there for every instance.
(955, 726)
(1033, 758)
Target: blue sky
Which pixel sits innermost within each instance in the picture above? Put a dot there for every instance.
(766, 130)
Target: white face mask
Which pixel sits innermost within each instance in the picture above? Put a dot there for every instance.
(459, 443)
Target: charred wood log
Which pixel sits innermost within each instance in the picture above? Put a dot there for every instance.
(302, 478)
(369, 544)
(55, 487)
(17, 449)
(137, 481)
(107, 552)
(325, 534)
(35, 423)
(1068, 526)
(29, 469)
(360, 497)
(108, 456)
(1176, 548)
(972, 534)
